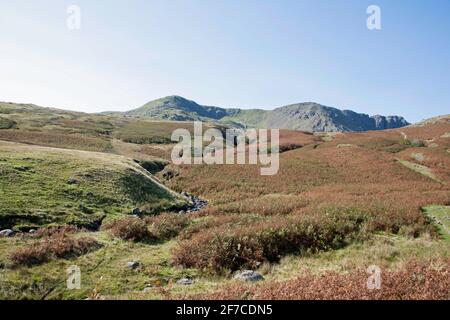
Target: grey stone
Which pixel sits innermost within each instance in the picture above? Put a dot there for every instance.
(249, 275)
(22, 168)
(72, 180)
(133, 264)
(6, 233)
(148, 287)
(185, 281)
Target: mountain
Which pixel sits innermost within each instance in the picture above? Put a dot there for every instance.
(307, 116)
(177, 108)
(318, 118)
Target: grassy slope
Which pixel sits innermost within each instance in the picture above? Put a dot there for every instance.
(252, 118)
(142, 139)
(35, 188)
(441, 217)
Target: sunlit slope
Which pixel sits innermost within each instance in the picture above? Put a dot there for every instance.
(42, 185)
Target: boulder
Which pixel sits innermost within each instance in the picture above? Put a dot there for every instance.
(249, 275)
(133, 264)
(6, 233)
(72, 180)
(136, 212)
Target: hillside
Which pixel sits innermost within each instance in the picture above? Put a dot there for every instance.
(42, 186)
(311, 117)
(177, 108)
(341, 201)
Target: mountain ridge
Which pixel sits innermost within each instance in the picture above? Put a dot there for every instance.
(307, 116)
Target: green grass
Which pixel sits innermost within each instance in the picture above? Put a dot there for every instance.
(104, 270)
(421, 169)
(36, 191)
(148, 132)
(441, 216)
(248, 118)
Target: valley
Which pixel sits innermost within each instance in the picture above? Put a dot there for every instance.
(100, 191)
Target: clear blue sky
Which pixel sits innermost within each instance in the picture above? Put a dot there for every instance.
(248, 53)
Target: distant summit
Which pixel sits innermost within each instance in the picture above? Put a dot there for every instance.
(177, 108)
(307, 116)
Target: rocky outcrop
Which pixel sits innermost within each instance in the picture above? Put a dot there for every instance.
(196, 204)
(249, 276)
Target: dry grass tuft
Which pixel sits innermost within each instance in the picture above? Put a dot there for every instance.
(54, 245)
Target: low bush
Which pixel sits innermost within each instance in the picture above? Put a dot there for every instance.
(56, 245)
(147, 140)
(53, 230)
(166, 225)
(268, 240)
(417, 143)
(6, 123)
(131, 229)
(225, 221)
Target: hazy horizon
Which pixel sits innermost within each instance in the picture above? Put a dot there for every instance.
(229, 54)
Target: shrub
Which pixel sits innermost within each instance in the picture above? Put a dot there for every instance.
(56, 245)
(289, 146)
(224, 221)
(132, 229)
(167, 225)
(6, 123)
(53, 230)
(268, 240)
(147, 140)
(417, 143)
(29, 256)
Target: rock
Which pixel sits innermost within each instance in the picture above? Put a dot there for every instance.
(345, 145)
(185, 281)
(181, 212)
(136, 212)
(249, 275)
(6, 233)
(147, 288)
(133, 264)
(169, 174)
(197, 203)
(32, 231)
(418, 156)
(72, 180)
(22, 168)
